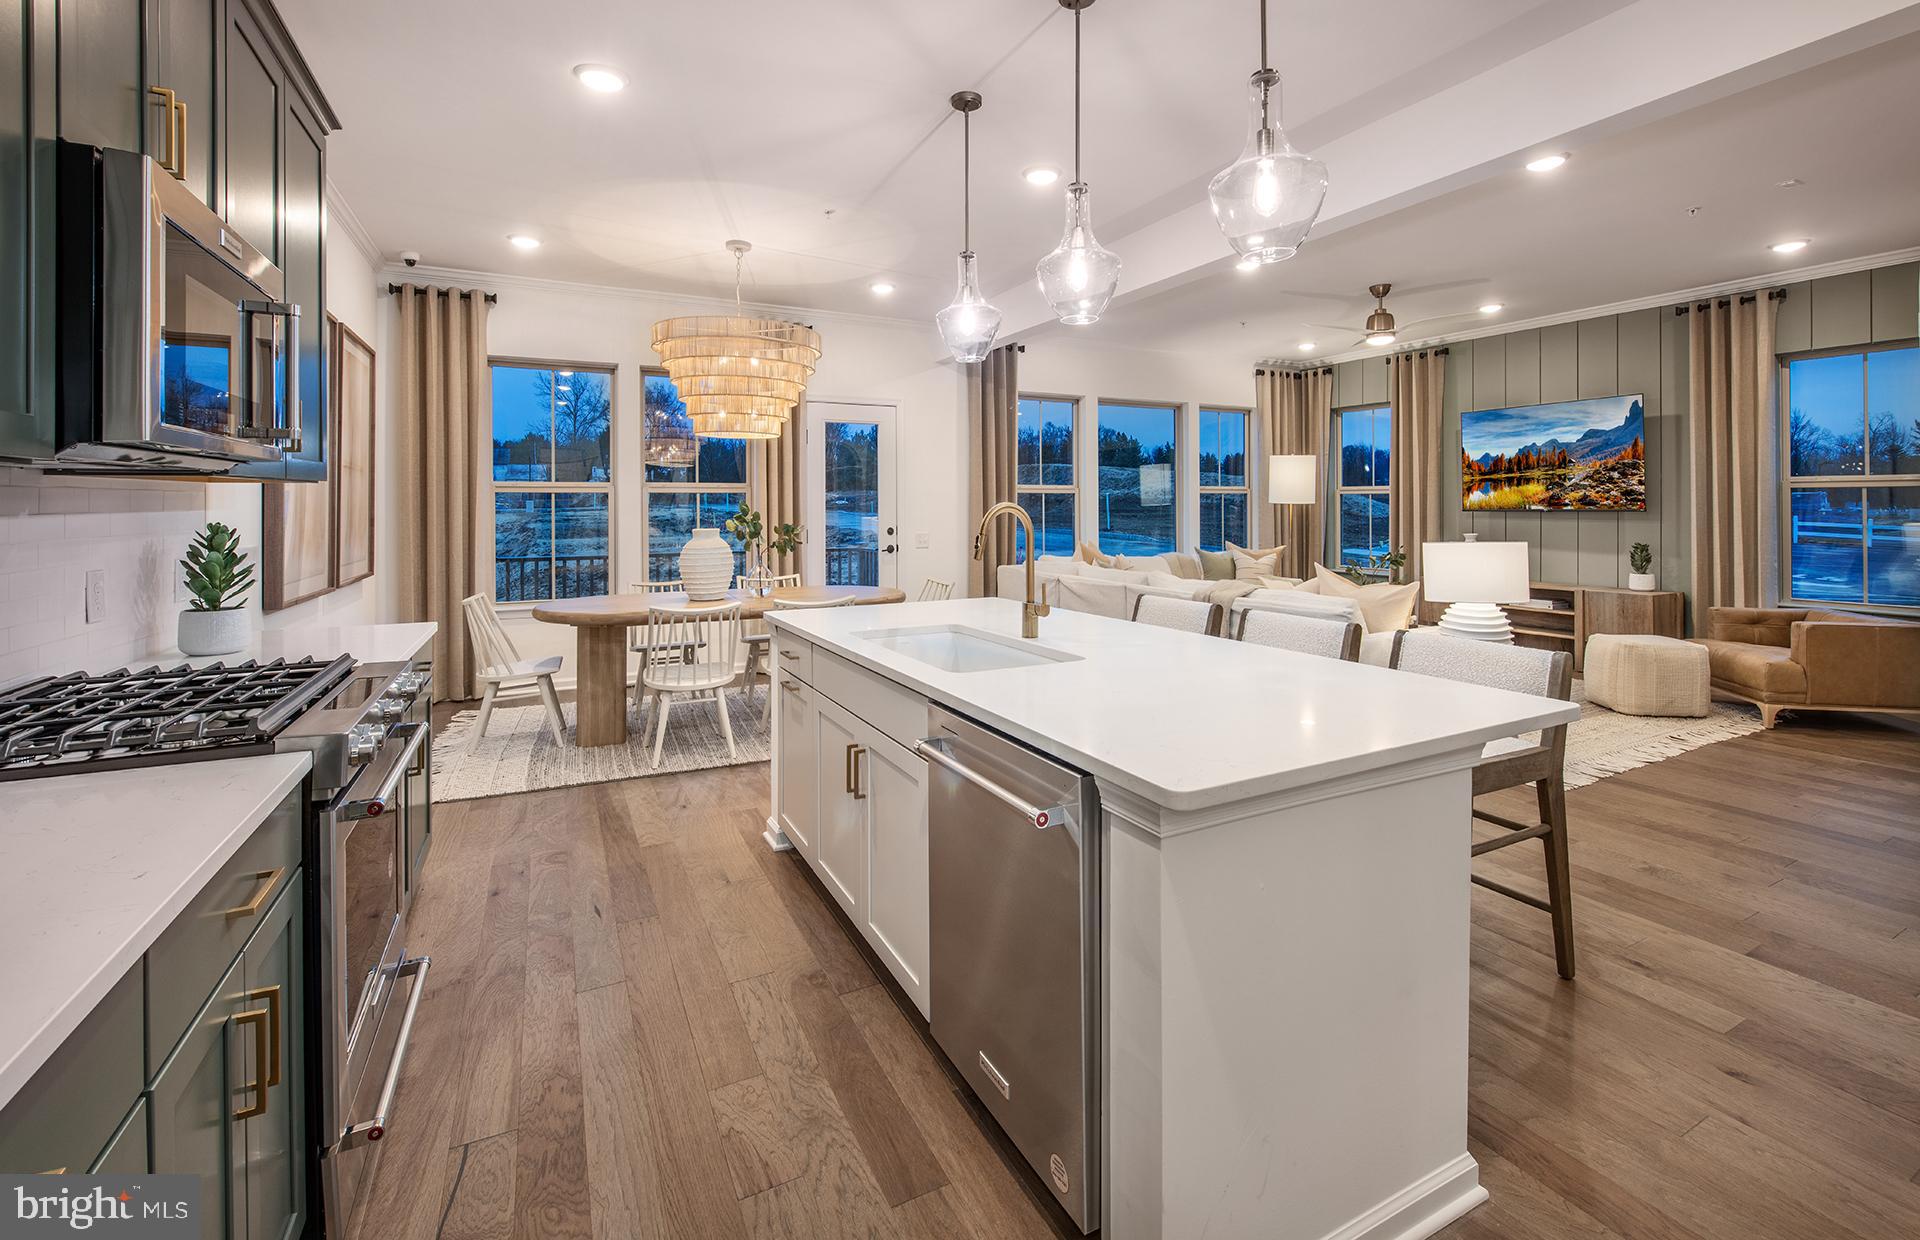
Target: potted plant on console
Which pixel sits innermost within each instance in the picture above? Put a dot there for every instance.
(218, 576)
(1640, 560)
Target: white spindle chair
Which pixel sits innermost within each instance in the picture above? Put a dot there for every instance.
(708, 637)
(501, 667)
(1328, 638)
(636, 640)
(933, 589)
(759, 643)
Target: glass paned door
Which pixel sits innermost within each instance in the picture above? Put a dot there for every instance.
(853, 538)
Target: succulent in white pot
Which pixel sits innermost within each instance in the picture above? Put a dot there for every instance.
(218, 577)
(1640, 561)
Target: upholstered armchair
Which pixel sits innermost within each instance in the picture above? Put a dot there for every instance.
(1782, 659)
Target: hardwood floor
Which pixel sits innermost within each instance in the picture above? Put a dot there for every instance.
(641, 1023)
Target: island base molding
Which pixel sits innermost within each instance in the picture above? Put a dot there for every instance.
(1286, 1039)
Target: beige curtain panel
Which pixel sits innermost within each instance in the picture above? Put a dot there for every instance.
(1416, 387)
(993, 397)
(775, 470)
(1732, 428)
(1295, 412)
(444, 528)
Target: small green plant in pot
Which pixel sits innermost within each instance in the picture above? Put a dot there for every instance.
(759, 541)
(1640, 561)
(218, 577)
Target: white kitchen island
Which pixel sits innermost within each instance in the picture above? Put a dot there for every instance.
(1284, 892)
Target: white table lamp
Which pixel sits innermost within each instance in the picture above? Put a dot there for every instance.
(1291, 479)
(1475, 577)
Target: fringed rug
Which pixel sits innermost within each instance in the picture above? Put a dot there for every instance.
(1604, 742)
(519, 754)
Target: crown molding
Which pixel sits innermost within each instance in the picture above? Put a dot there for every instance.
(495, 281)
(1795, 275)
(340, 212)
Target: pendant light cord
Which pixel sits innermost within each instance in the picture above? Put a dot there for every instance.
(966, 181)
(1263, 35)
(739, 262)
(1076, 94)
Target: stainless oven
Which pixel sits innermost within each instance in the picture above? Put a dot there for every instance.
(176, 349)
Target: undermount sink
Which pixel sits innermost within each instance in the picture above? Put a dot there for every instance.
(956, 648)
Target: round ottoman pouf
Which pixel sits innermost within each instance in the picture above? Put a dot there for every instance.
(1640, 674)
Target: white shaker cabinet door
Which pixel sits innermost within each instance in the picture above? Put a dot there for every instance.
(894, 784)
(798, 807)
(840, 824)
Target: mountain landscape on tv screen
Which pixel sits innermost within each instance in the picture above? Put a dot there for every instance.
(1574, 455)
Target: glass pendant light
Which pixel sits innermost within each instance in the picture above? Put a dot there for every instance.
(971, 322)
(1079, 277)
(1267, 200)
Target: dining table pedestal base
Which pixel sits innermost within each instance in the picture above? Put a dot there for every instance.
(600, 687)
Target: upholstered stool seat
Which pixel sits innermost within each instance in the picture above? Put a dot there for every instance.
(1641, 674)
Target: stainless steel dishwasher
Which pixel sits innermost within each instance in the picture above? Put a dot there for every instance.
(1014, 857)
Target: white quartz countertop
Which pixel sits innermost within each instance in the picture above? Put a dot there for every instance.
(367, 643)
(93, 867)
(1185, 721)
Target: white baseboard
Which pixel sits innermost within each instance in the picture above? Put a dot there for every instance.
(1421, 1208)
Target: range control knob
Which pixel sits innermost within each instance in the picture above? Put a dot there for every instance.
(363, 740)
(407, 684)
(387, 709)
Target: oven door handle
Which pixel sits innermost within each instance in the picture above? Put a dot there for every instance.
(382, 799)
(376, 1128)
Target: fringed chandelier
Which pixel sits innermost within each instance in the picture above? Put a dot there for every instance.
(739, 376)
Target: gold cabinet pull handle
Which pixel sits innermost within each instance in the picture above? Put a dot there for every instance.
(853, 766)
(272, 995)
(55, 1171)
(259, 1018)
(180, 146)
(166, 97)
(269, 880)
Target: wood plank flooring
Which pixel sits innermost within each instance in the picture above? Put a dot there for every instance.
(640, 1023)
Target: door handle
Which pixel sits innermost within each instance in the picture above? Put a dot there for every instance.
(258, 1018)
(890, 548)
(272, 995)
(168, 141)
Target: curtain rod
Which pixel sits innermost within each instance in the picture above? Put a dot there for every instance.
(492, 298)
(1746, 299)
(1292, 374)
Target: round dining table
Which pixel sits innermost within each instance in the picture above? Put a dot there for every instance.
(600, 626)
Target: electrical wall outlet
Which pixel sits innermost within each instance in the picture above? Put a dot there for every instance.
(96, 595)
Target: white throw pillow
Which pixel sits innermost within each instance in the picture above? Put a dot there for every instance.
(1143, 563)
(1094, 572)
(1173, 581)
(1386, 607)
(1318, 606)
(1058, 565)
(1249, 563)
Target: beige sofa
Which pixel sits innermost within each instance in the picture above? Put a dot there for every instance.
(1782, 659)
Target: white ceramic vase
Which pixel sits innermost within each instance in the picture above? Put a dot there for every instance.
(1640, 581)
(214, 632)
(706, 566)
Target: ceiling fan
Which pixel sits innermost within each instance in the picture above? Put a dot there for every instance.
(1381, 328)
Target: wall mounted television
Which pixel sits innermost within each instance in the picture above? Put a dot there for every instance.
(1569, 456)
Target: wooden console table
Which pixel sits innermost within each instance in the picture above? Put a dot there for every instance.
(1578, 612)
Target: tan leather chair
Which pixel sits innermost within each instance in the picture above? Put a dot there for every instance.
(1782, 659)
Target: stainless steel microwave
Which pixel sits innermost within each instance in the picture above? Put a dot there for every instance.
(176, 351)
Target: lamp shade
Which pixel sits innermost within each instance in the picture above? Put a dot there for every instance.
(1292, 479)
(1474, 572)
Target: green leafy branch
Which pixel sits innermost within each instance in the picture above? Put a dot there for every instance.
(217, 573)
(750, 528)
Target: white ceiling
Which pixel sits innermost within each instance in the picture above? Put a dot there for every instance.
(820, 132)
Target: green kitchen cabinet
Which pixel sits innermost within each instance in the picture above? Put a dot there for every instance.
(27, 117)
(126, 1154)
(184, 40)
(228, 1105)
(102, 77)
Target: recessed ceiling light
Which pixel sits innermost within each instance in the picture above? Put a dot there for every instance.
(1546, 163)
(604, 79)
(1493, 307)
(1789, 247)
(881, 287)
(1380, 338)
(1307, 346)
(1248, 264)
(1041, 174)
(520, 241)
(1789, 183)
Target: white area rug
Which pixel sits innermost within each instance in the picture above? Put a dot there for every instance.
(1603, 742)
(518, 753)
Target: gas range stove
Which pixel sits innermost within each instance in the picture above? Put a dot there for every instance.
(339, 711)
